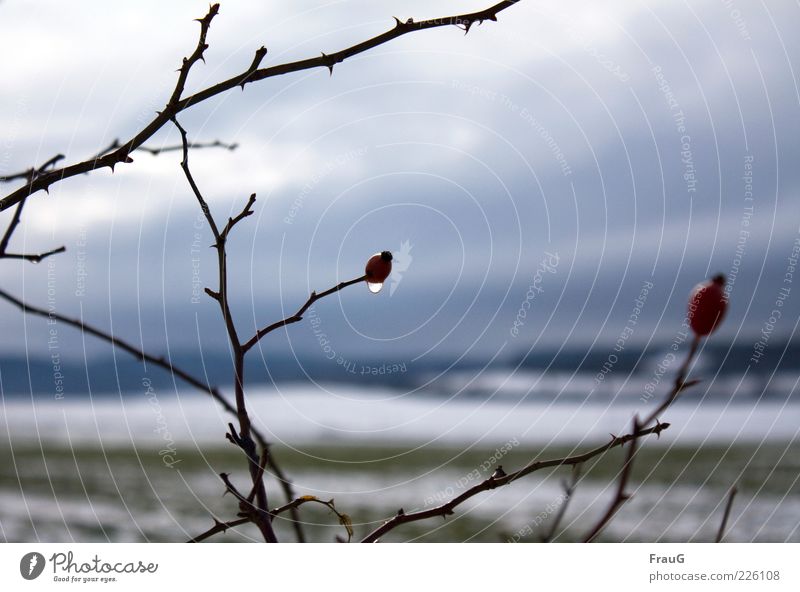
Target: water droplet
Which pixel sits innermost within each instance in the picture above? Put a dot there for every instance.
(374, 288)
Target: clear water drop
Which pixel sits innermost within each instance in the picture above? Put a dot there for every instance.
(374, 288)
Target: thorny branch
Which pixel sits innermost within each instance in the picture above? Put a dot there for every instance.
(680, 384)
(30, 174)
(253, 73)
(177, 147)
(640, 430)
(217, 528)
(292, 506)
(495, 481)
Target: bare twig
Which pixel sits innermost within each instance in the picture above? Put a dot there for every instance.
(493, 482)
(262, 463)
(244, 439)
(678, 387)
(33, 258)
(253, 73)
(298, 316)
(32, 172)
(217, 528)
(12, 226)
(726, 514)
(137, 353)
(344, 519)
(569, 490)
(175, 148)
(621, 496)
(167, 365)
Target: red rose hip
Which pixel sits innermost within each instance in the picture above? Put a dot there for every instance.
(378, 269)
(707, 305)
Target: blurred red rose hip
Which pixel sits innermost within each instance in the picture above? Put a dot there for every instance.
(378, 269)
(707, 305)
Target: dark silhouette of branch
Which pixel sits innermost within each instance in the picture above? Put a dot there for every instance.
(569, 491)
(177, 147)
(680, 384)
(621, 496)
(217, 528)
(12, 226)
(246, 211)
(32, 257)
(344, 519)
(123, 345)
(726, 514)
(253, 73)
(253, 512)
(32, 172)
(298, 316)
(640, 429)
(29, 175)
(292, 506)
(162, 362)
(243, 439)
(496, 481)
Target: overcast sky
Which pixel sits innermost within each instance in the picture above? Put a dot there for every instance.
(584, 148)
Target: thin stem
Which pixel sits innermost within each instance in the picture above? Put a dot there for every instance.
(569, 491)
(298, 316)
(32, 172)
(344, 519)
(726, 514)
(244, 439)
(680, 384)
(33, 258)
(620, 497)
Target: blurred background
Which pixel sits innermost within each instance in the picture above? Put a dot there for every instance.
(552, 186)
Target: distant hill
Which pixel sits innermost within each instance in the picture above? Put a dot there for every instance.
(105, 375)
